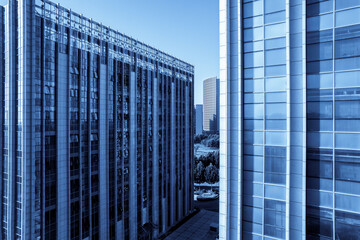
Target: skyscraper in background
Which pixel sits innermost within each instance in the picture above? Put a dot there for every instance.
(97, 133)
(289, 119)
(211, 104)
(199, 118)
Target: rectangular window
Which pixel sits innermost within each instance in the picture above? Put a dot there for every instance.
(275, 17)
(274, 6)
(320, 110)
(346, 4)
(319, 81)
(255, 59)
(318, 8)
(347, 225)
(253, 22)
(320, 22)
(276, 111)
(275, 43)
(275, 30)
(347, 48)
(275, 57)
(347, 17)
(252, 9)
(275, 84)
(319, 51)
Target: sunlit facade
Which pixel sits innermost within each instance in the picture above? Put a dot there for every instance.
(97, 133)
(289, 119)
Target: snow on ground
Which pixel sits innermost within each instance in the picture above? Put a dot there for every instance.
(205, 184)
(201, 149)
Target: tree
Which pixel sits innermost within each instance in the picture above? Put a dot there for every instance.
(199, 172)
(211, 174)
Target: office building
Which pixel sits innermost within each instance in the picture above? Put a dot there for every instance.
(97, 134)
(199, 118)
(211, 104)
(289, 119)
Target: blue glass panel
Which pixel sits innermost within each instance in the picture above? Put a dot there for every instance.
(275, 43)
(347, 141)
(275, 138)
(275, 30)
(275, 57)
(320, 110)
(275, 124)
(347, 225)
(276, 97)
(252, 9)
(253, 22)
(319, 140)
(350, 203)
(347, 48)
(320, 22)
(275, 17)
(274, 5)
(275, 71)
(275, 192)
(320, 81)
(347, 79)
(347, 17)
(319, 51)
(319, 8)
(340, 4)
(276, 111)
(275, 84)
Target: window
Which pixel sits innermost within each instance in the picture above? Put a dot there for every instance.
(347, 225)
(254, 111)
(275, 57)
(347, 48)
(319, 223)
(275, 138)
(320, 7)
(347, 79)
(276, 111)
(252, 9)
(275, 30)
(274, 71)
(275, 192)
(347, 17)
(275, 84)
(255, 59)
(274, 5)
(319, 51)
(319, 81)
(319, 22)
(274, 218)
(253, 22)
(320, 110)
(275, 43)
(346, 4)
(322, 139)
(275, 17)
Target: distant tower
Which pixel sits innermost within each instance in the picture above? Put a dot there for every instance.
(211, 105)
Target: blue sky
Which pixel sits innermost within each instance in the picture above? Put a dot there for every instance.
(187, 29)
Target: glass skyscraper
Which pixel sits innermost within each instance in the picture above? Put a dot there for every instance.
(96, 129)
(290, 119)
(211, 105)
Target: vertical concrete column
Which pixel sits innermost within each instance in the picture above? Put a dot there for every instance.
(62, 138)
(187, 150)
(172, 155)
(132, 158)
(155, 166)
(103, 154)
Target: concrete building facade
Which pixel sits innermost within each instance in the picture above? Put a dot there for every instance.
(96, 129)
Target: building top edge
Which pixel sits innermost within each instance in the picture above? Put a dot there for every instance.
(110, 35)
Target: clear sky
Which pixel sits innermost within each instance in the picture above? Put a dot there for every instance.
(187, 29)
